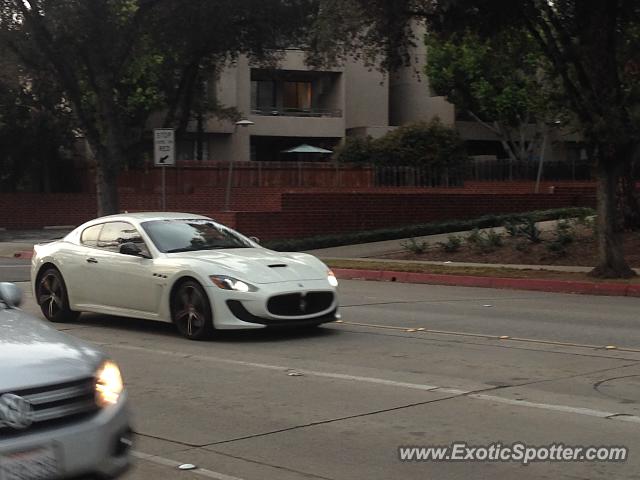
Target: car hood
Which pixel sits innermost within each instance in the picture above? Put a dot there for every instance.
(259, 265)
(33, 354)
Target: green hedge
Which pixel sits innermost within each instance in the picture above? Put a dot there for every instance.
(486, 221)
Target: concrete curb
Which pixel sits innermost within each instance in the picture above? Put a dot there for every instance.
(541, 285)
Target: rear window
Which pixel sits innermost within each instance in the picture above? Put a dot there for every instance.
(90, 236)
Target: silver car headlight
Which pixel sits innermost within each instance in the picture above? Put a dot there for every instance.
(331, 278)
(109, 384)
(229, 283)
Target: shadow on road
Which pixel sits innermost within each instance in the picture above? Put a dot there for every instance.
(266, 335)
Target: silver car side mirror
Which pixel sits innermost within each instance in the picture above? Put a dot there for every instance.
(10, 294)
(255, 240)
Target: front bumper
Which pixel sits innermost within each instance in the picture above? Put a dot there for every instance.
(239, 310)
(96, 447)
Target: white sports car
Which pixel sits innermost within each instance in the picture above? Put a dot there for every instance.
(180, 268)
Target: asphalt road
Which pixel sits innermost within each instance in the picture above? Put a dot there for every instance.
(14, 270)
(337, 403)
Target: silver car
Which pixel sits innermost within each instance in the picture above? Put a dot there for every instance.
(62, 402)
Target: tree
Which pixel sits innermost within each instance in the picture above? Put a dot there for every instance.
(592, 49)
(496, 81)
(117, 61)
(36, 133)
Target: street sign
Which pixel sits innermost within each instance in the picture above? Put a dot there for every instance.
(164, 153)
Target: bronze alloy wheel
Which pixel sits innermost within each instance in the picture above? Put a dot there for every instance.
(191, 311)
(53, 298)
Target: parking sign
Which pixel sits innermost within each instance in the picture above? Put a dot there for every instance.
(164, 147)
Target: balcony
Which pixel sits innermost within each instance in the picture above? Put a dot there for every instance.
(293, 112)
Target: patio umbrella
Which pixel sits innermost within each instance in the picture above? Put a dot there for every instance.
(304, 148)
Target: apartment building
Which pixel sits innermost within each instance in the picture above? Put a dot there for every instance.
(293, 105)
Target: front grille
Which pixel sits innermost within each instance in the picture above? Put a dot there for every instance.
(299, 304)
(56, 405)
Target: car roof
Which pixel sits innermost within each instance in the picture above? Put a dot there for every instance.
(147, 216)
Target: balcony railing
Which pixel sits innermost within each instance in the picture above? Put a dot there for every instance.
(293, 112)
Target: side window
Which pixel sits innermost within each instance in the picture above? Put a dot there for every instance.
(115, 234)
(90, 236)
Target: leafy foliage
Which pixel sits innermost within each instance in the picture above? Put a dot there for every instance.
(592, 53)
(524, 227)
(498, 81)
(564, 235)
(453, 244)
(413, 246)
(120, 61)
(418, 144)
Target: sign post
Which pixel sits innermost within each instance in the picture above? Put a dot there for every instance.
(164, 155)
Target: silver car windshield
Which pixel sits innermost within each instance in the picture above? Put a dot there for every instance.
(172, 236)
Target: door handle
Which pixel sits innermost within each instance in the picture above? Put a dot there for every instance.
(91, 260)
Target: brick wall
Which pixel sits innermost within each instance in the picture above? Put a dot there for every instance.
(280, 213)
(304, 215)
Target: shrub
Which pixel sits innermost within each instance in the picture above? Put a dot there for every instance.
(453, 244)
(512, 228)
(475, 237)
(564, 236)
(530, 230)
(421, 144)
(355, 150)
(485, 241)
(414, 246)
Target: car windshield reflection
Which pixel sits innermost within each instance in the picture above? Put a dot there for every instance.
(174, 236)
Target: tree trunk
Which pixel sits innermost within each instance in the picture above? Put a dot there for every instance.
(108, 158)
(629, 204)
(106, 186)
(611, 262)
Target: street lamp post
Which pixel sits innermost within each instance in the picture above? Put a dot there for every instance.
(227, 195)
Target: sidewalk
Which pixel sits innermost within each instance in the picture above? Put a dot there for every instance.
(369, 251)
(19, 243)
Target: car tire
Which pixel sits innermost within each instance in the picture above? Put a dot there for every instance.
(53, 298)
(191, 311)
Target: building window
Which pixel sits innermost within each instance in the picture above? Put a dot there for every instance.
(263, 95)
(297, 96)
(188, 150)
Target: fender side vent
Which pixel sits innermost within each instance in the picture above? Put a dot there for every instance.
(278, 265)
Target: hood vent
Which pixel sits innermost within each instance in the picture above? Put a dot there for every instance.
(277, 265)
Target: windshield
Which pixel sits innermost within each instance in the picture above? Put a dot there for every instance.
(172, 236)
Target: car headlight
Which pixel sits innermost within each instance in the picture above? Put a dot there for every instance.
(229, 283)
(331, 277)
(109, 384)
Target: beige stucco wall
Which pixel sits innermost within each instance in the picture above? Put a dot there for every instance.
(410, 95)
(297, 126)
(366, 96)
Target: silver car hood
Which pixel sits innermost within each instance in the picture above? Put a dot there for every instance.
(34, 354)
(259, 265)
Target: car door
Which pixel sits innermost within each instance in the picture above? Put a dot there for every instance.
(121, 281)
(78, 278)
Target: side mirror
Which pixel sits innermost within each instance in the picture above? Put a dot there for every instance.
(10, 294)
(255, 239)
(130, 248)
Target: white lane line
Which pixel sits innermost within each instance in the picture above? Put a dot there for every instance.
(545, 406)
(312, 373)
(203, 472)
(381, 381)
